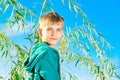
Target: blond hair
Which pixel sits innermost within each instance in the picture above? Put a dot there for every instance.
(50, 18)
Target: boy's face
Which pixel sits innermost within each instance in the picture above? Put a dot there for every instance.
(51, 33)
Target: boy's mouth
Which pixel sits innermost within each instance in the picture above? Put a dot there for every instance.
(54, 38)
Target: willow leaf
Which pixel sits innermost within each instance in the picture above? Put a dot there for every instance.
(6, 7)
(70, 4)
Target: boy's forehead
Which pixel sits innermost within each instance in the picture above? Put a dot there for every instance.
(55, 25)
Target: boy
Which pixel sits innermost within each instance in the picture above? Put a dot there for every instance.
(43, 62)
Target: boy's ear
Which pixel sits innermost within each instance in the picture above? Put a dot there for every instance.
(39, 31)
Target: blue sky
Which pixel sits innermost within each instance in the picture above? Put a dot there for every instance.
(105, 15)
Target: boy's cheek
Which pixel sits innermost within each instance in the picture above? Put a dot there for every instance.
(62, 33)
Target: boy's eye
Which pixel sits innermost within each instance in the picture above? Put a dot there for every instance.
(59, 29)
(49, 29)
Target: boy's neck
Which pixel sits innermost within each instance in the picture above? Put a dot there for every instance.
(53, 46)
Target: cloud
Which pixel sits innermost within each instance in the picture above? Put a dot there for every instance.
(18, 29)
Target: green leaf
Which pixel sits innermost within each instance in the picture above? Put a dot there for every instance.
(1, 47)
(0, 9)
(6, 63)
(19, 13)
(7, 52)
(6, 7)
(13, 2)
(76, 63)
(116, 75)
(3, 2)
(15, 63)
(63, 2)
(3, 54)
(26, 47)
(33, 26)
(70, 4)
(22, 54)
(76, 9)
(70, 76)
(1, 77)
(17, 76)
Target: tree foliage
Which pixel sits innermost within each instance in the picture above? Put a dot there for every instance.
(77, 44)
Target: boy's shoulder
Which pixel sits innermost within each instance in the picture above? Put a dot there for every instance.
(39, 47)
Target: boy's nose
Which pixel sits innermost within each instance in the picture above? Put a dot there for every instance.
(53, 33)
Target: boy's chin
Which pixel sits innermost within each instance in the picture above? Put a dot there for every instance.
(53, 43)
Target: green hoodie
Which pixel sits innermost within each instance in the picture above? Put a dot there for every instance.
(43, 62)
